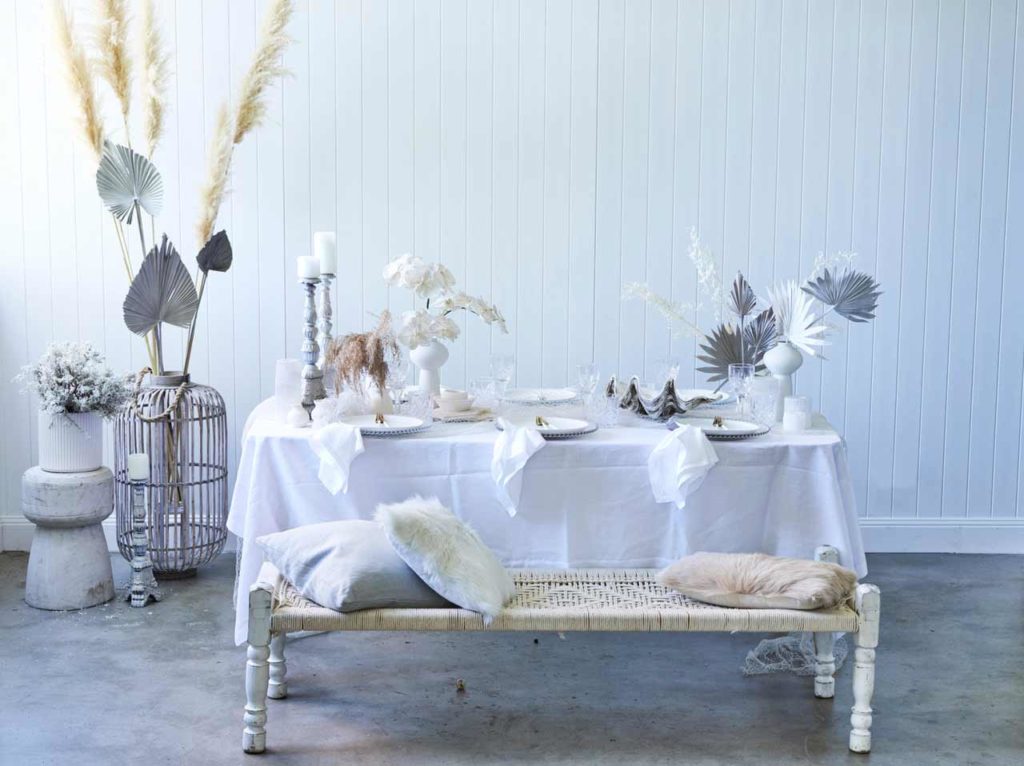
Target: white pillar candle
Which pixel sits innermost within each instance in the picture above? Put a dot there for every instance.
(309, 267)
(138, 466)
(325, 250)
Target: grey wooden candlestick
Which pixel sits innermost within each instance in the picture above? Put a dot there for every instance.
(312, 376)
(326, 311)
(143, 586)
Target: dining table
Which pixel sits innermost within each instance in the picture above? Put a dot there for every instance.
(586, 502)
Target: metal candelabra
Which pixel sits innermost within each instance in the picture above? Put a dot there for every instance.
(144, 586)
(312, 375)
(324, 339)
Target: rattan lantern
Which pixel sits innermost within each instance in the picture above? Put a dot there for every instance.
(182, 426)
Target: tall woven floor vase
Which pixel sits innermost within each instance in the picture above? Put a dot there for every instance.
(182, 426)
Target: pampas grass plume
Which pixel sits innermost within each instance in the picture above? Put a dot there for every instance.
(78, 73)
(264, 68)
(155, 73)
(112, 44)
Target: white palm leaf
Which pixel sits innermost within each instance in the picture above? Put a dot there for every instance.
(794, 319)
(125, 178)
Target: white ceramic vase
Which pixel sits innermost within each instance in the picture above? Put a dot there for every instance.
(70, 442)
(782, 361)
(429, 358)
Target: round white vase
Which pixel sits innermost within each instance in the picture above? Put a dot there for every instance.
(70, 442)
(782, 361)
(429, 358)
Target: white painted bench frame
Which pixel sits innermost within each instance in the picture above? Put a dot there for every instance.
(266, 667)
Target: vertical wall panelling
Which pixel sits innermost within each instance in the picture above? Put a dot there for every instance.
(549, 152)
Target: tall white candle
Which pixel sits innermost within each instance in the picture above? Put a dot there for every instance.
(325, 249)
(309, 267)
(138, 466)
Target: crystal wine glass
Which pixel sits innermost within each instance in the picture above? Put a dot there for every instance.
(741, 376)
(587, 376)
(503, 366)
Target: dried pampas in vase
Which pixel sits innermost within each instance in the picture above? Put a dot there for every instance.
(363, 356)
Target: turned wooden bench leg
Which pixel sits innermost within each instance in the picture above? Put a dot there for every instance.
(824, 659)
(278, 668)
(866, 640)
(257, 670)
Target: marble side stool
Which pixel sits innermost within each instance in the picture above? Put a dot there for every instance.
(69, 567)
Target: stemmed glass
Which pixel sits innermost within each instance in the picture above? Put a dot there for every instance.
(587, 376)
(503, 366)
(741, 376)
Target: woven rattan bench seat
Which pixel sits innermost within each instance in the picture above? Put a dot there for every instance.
(570, 600)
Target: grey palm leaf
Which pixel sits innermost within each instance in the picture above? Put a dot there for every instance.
(216, 253)
(162, 291)
(722, 347)
(125, 178)
(759, 335)
(742, 300)
(851, 294)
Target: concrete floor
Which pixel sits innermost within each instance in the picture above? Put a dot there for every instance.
(164, 685)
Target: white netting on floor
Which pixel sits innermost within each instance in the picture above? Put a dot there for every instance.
(793, 653)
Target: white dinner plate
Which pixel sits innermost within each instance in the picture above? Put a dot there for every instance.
(556, 428)
(732, 429)
(539, 395)
(394, 425)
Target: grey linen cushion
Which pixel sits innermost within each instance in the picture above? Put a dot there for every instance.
(347, 566)
(759, 581)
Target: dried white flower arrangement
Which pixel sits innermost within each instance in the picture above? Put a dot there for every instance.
(74, 377)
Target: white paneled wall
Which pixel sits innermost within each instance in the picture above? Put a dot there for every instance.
(548, 152)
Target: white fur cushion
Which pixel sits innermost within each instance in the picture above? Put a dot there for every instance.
(758, 581)
(447, 554)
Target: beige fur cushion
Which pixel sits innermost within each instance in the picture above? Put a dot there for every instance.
(758, 581)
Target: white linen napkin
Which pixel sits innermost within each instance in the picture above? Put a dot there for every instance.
(337, 445)
(679, 463)
(514, 447)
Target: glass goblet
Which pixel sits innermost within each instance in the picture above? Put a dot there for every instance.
(741, 376)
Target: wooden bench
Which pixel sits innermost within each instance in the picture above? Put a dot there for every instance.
(570, 600)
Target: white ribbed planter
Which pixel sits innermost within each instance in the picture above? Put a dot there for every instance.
(70, 442)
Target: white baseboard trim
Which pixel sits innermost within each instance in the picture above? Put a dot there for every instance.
(16, 533)
(881, 535)
(913, 535)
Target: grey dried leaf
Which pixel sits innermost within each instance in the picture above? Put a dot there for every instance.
(851, 294)
(162, 291)
(759, 335)
(125, 178)
(722, 347)
(216, 253)
(742, 300)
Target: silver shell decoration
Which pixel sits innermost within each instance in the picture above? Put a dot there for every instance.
(125, 178)
(162, 291)
(851, 294)
(216, 253)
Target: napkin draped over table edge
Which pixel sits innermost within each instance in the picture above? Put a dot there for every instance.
(513, 448)
(337, 445)
(678, 464)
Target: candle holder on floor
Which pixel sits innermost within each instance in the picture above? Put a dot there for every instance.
(143, 586)
(312, 376)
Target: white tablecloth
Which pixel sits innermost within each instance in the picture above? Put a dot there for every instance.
(586, 502)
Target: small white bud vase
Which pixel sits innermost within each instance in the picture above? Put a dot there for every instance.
(70, 442)
(429, 358)
(782, 361)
